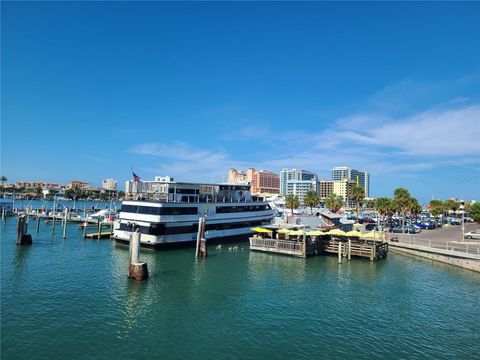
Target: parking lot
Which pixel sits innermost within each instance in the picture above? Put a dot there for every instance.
(448, 237)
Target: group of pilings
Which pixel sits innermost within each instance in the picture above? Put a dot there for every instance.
(346, 248)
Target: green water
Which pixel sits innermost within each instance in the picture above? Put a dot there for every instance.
(70, 299)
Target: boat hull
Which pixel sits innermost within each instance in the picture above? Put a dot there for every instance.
(186, 244)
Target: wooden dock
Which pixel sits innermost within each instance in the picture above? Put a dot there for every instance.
(103, 235)
(304, 246)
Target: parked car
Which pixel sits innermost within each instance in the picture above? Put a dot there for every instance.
(406, 230)
(455, 221)
(426, 225)
(474, 234)
(468, 219)
(372, 226)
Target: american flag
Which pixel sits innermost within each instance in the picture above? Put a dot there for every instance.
(136, 178)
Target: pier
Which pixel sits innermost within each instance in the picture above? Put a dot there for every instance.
(304, 243)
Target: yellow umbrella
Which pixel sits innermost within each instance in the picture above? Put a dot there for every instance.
(354, 233)
(372, 235)
(261, 230)
(296, 232)
(284, 231)
(316, 233)
(336, 232)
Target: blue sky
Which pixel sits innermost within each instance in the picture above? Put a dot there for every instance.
(93, 89)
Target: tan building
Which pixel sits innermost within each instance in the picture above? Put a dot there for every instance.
(75, 184)
(262, 182)
(342, 187)
(325, 188)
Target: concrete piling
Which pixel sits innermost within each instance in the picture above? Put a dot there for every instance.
(136, 269)
(349, 249)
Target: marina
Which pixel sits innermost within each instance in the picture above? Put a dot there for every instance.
(93, 311)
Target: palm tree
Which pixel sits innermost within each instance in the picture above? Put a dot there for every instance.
(384, 207)
(311, 199)
(357, 194)
(414, 207)
(3, 179)
(401, 199)
(292, 202)
(333, 202)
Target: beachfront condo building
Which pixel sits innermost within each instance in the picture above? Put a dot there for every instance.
(287, 175)
(262, 182)
(301, 187)
(109, 184)
(362, 178)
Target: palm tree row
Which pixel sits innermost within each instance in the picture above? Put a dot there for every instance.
(402, 203)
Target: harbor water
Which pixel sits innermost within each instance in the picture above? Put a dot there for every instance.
(71, 299)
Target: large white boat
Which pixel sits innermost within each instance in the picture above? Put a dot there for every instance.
(230, 211)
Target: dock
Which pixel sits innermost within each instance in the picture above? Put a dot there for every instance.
(302, 243)
(103, 235)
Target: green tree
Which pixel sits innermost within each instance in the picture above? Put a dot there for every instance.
(121, 194)
(38, 192)
(384, 207)
(451, 205)
(311, 199)
(333, 202)
(401, 199)
(3, 179)
(436, 207)
(474, 211)
(292, 202)
(70, 193)
(357, 194)
(413, 207)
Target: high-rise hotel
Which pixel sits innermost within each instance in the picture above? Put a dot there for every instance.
(362, 178)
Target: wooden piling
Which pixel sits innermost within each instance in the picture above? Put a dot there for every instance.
(136, 269)
(349, 249)
(53, 224)
(65, 223)
(339, 252)
(201, 249)
(99, 228)
(38, 223)
(84, 230)
(22, 237)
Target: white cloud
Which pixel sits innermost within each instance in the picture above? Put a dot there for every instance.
(381, 145)
(454, 132)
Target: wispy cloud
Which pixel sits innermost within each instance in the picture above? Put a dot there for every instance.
(188, 162)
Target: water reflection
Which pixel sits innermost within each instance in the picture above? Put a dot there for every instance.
(262, 265)
(19, 265)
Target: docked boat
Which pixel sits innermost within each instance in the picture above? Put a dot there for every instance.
(172, 220)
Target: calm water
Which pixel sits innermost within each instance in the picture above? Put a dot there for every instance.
(70, 299)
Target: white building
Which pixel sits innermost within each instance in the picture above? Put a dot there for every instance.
(287, 175)
(109, 184)
(155, 187)
(301, 187)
